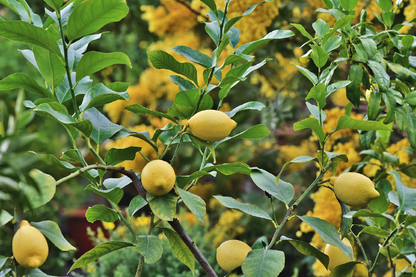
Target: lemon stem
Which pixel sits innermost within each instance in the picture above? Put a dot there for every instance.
(294, 205)
(371, 270)
(368, 263)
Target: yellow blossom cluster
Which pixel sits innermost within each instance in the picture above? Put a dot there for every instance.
(289, 152)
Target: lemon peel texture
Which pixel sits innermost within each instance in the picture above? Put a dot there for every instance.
(158, 177)
(231, 254)
(30, 248)
(211, 125)
(336, 256)
(354, 189)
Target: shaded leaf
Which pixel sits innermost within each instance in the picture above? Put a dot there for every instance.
(139, 109)
(114, 194)
(115, 156)
(150, 247)
(99, 95)
(136, 204)
(103, 128)
(163, 206)
(307, 249)
(24, 81)
(180, 249)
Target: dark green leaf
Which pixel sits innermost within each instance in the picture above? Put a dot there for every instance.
(99, 95)
(21, 80)
(380, 75)
(139, 109)
(375, 231)
(346, 122)
(180, 249)
(54, 4)
(182, 83)
(327, 232)
(390, 103)
(93, 62)
(92, 15)
(308, 74)
(321, 28)
(310, 123)
(163, 206)
(99, 251)
(247, 208)
(150, 247)
(379, 204)
(46, 188)
(101, 212)
(114, 195)
(407, 196)
(229, 168)
(332, 43)
(136, 204)
(212, 6)
(374, 105)
(52, 231)
(318, 93)
(344, 270)
(353, 89)
(307, 249)
(5, 218)
(194, 203)
(103, 128)
(255, 132)
(115, 156)
(262, 262)
(194, 56)
(345, 222)
(319, 56)
(71, 156)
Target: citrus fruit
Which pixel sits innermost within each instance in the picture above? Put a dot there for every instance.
(231, 254)
(354, 189)
(336, 256)
(158, 177)
(211, 125)
(30, 248)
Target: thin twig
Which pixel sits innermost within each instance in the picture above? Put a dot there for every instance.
(192, 10)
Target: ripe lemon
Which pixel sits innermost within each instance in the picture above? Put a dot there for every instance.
(30, 248)
(231, 254)
(211, 125)
(336, 256)
(354, 189)
(158, 177)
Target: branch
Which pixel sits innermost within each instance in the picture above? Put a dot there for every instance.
(191, 9)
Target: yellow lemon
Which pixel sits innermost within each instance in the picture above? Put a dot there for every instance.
(336, 256)
(211, 125)
(30, 248)
(354, 189)
(231, 254)
(158, 177)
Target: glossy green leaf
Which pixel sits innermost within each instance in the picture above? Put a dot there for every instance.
(28, 33)
(247, 208)
(115, 156)
(99, 251)
(229, 168)
(342, 22)
(213, 30)
(385, 5)
(335, 86)
(54, 4)
(194, 203)
(332, 43)
(321, 28)
(92, 15)
(346, 122)
(51, 67)
(139, 109)
(327, 232)
(319, 94)
(254, 132)
(344, 270)
(407, 196)
(374, 105)
(390, 102)
(5, 217)
(93, 62)
(182, 83)
(162, 60)
(103, 128)
(411, 98)
(307, 249)
(194, 56)
(52, 231)
(319, 56)
(375, 231)
(150, 247)
(348, 4)
(379, 204)
(114, 195)
(63, 92)
(212, 6)
(380, 75)
(346, 223)
(163, 206)
(310, 123)
(353, 89)
(266, 181)
(136, 204)
(71, 156)
(46, 185)
(252, 105)
(367, 213)
(411, 129)
(100, 212)
(308, 74)
(262, 262)
(24, 81)
(182, 181)
(303, 31)
(99, 95)
(250, 47)
(179, 249)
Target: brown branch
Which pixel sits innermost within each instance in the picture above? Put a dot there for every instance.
(191, 9)
(192, 246)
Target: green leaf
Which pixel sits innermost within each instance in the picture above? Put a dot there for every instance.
(194, 203)
(411, 98)
(346, 122)
(327, 232)
(179, 249)
(182, 83)
(162, 60)
(318, 93)
(353, 89)
(247, 208)
(411, 129)
(255, 132)
(99, 251)
(390, 102)
(307, 249)
(319, 56)
(139, 109)
(24, 81)
(36, 272)
(103, 128)
(250, 47)
(54, 4)
(379, 204)
(367, 213)
(374, 105)
(114, 195)
(345, 222)
(229, 168)
(336, 86)
(385, 5)
(5, 217)
(310, 123)
(46, 188)
(28, 33)
(321, 28)
(308, 74)
(92, 15)
(150, 247)
(407, 196)
(303, 31)
(194, 56)
(344, 270)
(332, 43)
(51, 67)
(99, 95)
(101, 212)
(115, 156)
(267, 182)
(213, 30)
(163, 206)
(262, 262)
(52, 231)
(136, 204)
(182, 181)
(349, 4)
(93, 61)
(380, 75)
(211, 5)
(252, 105)
(375, 231)
(71, 156)
(342, 22)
